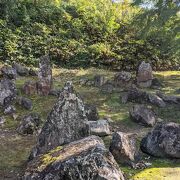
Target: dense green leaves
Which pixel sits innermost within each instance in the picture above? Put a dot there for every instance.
(89, 33)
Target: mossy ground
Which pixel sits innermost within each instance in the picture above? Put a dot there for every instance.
(14, 149)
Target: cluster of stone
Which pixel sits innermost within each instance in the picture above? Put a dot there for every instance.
(65, 138)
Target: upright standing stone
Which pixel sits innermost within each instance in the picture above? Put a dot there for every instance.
(45, 82)
(66, 122)
(144, 75)
(8, 92)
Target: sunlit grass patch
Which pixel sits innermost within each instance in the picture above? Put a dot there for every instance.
(158, 174)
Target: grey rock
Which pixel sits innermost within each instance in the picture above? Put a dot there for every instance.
(25, 103)
(135, 95)
(9, 110)
(45, 83)
(21, 70)
(91, 112)
(139, 96)
(143, 115)
(124, 148)
(29, 124)
(99, 80)
(86, 159)
(8, 72)
(108, 87)
(99, 128)
(8, 92)
(169, 99)
(156, 100)
(144, 75)
(2, 121)
(163, 141)
(66, 122)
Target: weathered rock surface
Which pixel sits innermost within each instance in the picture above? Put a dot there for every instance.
(108, 87)
(9, 110)
(8, 92)
(124, 148)
(144, 75)
(99, 128)
(2, 121)
(123, 79)
(139, 96)
(143, 115)
(156, 100)
(66, 122)
(86, 159)
(99, 80)
(21, 70)
(8, 72)
(135, 95)
(91, 112)
(163, 141)
(169, 99)
(45, 82)
(29, 88)
(25, 102)
(29, 124)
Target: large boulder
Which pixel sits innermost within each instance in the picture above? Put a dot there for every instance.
(66, 122)
(21, 70)
(143, 115)
(29, 124)
(99, 128)
(8, 72)
(163, 141)
(86, 159)
(91, 112)
(139, 96)
(124, 148)
(123, 79)
(8, 92)
(135, 95)
(144, 75)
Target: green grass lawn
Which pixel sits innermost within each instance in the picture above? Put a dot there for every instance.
(14, 149)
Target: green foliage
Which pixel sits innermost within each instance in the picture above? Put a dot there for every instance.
(88, 33)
